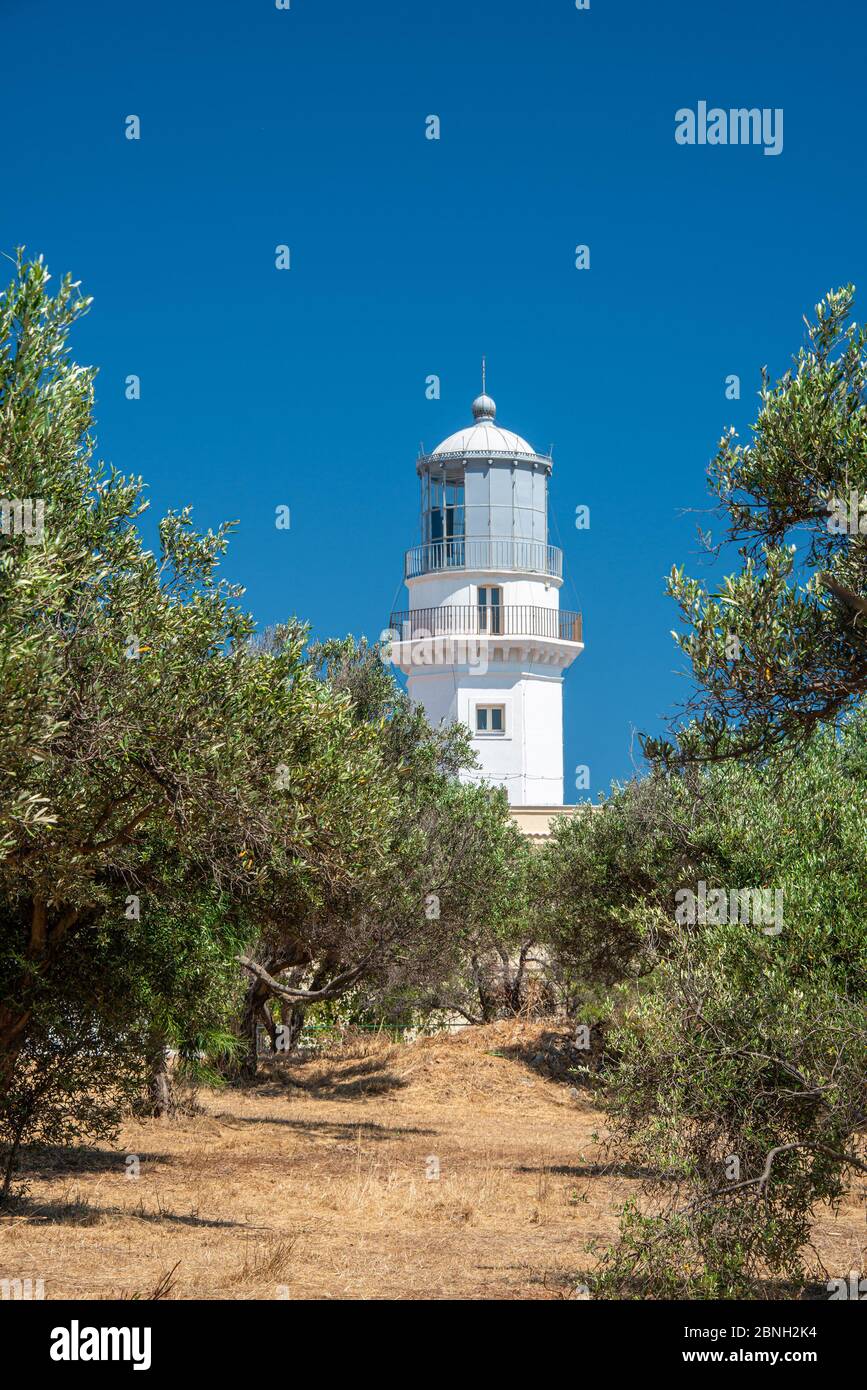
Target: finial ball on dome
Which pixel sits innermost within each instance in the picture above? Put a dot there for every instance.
(484, 408)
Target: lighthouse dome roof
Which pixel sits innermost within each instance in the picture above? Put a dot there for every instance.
(484, 436)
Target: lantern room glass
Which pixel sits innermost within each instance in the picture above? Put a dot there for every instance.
(442, 510)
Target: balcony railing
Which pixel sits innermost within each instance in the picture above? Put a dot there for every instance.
(466, 554)
(491, 620)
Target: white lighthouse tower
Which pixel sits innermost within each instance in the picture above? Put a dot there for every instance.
(484, 640)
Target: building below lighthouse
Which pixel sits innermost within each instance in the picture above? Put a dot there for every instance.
(484, 640)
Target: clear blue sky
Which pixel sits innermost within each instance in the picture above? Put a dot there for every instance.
(411, 257)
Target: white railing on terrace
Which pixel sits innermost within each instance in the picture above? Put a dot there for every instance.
(530, 557)
(496, 620)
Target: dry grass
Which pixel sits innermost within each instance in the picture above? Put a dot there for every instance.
(313, 1184)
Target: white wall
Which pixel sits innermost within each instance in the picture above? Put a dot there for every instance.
(528, 758)
(460, 587)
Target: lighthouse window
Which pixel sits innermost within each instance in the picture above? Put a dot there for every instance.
(490, 719)
(490, 607)
(443, 503)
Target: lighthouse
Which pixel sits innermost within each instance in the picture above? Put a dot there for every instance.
(484, 640)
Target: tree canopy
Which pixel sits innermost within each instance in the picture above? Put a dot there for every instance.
(780, 648)
(181, 796)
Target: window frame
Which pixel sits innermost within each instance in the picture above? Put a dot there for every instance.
(488, 710)
(490, 614)
(444, 508)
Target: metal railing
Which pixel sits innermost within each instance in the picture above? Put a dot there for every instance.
(487, 620)
(466, 554)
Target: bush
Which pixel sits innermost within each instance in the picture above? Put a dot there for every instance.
(742, 1072)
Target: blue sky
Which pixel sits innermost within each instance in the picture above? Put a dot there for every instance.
(410, 257)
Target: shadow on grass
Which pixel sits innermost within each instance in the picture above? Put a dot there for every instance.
(330, 1129)
(598, 1170)
(367, 1077)
(557, 1050)
(77, 1210)
(53, 1160)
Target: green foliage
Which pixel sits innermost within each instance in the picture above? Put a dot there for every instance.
(609, 875)
(443, 881)
(161, 775)
(746, 1044)
(178, 794)
(781, 648)
(742, 1063)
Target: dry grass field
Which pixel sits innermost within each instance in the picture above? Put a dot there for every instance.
(312, 1184)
